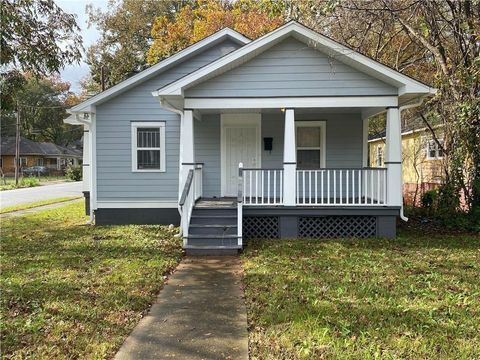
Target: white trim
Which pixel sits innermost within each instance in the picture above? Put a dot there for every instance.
(162, 65)
(428, 140)
(344, 54)
(240, 121)
(93, 162)
(322, 124)
(291, 102)
(86, 168)
(155, 124)
(72, 120)
(144, 204)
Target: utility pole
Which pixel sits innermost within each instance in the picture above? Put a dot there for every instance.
(17, 145)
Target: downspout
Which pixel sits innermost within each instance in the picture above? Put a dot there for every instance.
(401, 108)
(166, 105)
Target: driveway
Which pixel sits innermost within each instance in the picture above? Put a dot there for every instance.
(39, 193)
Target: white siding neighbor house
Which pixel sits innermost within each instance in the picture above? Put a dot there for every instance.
(236, 139)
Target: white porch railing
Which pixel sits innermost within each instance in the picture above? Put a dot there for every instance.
(262, 186)
(323, 187)
(345, 187)
(192, 191)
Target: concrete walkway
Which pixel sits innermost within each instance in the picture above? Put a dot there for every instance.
(199, 314)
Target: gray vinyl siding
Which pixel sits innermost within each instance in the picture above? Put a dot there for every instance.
(207, 150)
(343, 139)
(291, 68)
(343, 144)
(115, 179)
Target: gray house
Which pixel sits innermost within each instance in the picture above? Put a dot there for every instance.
(235, 139)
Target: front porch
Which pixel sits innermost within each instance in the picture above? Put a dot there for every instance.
(279, 173)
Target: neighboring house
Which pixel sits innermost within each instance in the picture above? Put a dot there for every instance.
(52, 156)
(291, 107)
(422, 166)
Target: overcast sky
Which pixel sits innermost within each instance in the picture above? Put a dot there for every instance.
(74, 73)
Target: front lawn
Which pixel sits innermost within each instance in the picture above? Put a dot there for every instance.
(70, 290)
(416, 297)
(36, 204)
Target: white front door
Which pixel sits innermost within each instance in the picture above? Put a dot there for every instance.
(240, 144)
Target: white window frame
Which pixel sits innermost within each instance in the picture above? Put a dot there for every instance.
(38, 161)
(323, 137)
(151, 124)
(379, 152)
(428, 143)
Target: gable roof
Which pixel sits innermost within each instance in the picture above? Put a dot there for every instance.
(30, 147)
(416, 125)
(406, 84)
(158, 68)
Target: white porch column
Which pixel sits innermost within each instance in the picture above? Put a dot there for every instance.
(289, 159)
(393, 157)
(187, 149)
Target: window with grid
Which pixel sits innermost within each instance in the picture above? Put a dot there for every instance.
(310, 146)
(39, 162)
(434, 151)
(379, 156)
(148, 146)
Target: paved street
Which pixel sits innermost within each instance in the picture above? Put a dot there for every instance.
(39, 193)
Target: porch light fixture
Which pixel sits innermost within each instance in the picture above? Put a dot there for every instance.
(282, 110)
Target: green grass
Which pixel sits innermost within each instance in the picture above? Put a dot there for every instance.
(8, 183)
(70, 290)
(36, 204)
(416, 297)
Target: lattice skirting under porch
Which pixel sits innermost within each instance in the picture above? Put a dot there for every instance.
(337, 226)
(269, 227)
(261, 227)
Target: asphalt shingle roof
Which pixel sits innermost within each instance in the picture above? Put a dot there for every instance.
(30, 147)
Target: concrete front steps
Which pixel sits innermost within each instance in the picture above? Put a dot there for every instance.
(213, 231)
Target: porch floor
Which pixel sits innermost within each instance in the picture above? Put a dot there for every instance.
(216, 202)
